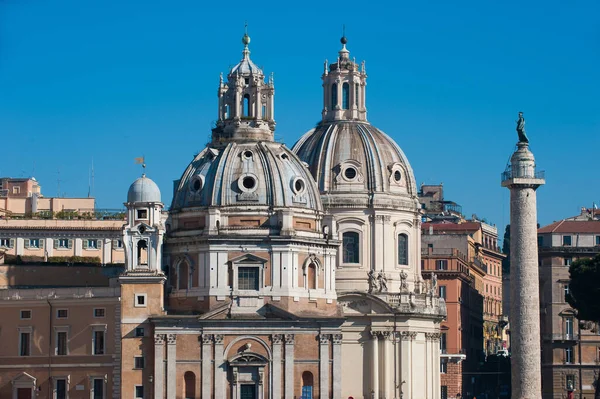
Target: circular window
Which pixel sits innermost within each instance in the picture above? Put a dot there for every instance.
(247, 154)
(397, 176)
(350, 173)
(197, 183)
(248, 182)
(299, 185)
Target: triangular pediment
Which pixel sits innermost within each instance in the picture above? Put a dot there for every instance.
(248, 258)
(24, 378)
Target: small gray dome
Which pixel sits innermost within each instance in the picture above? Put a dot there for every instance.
(355, 157)
(246, 175)
(143, 190)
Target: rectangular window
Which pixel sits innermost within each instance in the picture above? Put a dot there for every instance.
(139, 331)
(142, 214)
(25, 314)
(444, 392)
(402, 249)
(34, 243)
(443, 367)
(92, 244)
(64, 243)
(6, 243)
(60, 387)
(597, 240)
(566, 241)
(119, 244)
(570, 382)
(568, 261)
(569, 327)
(307, 392)
(442, 291)
(443, 342)
(98, 388)
(139, 392)
(138, 362)
(248, 278)
(350, 247)
(569, 355)
(540, 241)
(140, 300)
(24, 344)
(441, 264)
(566, 291)
(99, 312)
(62, 313)
(98, 342)
(61, 343)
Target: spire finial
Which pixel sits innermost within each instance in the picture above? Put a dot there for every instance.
(246, 41)
(344, 40)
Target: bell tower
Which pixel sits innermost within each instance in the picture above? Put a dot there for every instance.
(344, 87)
(246, 110)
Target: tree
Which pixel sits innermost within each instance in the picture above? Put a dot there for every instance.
(584, 292)
(506, 251)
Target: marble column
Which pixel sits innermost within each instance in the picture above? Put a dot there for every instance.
(406, 355)
(375, 363)
(206, 365)
(324, 365)
(219, 368)
(171, 365)
(276, 372)
(388, 365)
(337, 366)
(159, 366)
(289, 365)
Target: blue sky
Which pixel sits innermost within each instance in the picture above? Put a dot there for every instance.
(114, 80)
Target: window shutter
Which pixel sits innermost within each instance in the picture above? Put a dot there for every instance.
(11, 243)
(56, 241)
(41, 241)
(115, 243)
(99, 244)
(26, 242)
(85, 244)
(70, 244)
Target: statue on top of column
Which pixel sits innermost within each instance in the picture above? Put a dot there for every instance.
(521, 129)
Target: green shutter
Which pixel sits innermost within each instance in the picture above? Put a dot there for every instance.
(12, 243)
(70, 244)
(26, 242)
(85, 244)
(56, 241)
(99, 244)
(42, 242)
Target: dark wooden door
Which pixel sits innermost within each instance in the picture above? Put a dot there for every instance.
(23, 393)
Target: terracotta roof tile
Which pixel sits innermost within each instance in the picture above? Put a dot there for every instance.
(572, 226)
(467, 226)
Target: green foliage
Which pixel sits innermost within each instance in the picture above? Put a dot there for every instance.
(584, 288)
(54, 260)
(506, 250)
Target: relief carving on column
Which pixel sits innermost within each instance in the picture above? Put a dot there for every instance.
(159, 339)
(408, 335)
(289, 339)
(218, 339)
(207, 339)
(171, 339)
(324, 338)
(337, 339)
(277, 338)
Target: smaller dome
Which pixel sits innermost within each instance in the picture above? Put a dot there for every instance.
(143, 190)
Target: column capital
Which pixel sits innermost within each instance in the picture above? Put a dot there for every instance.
(218, 339)
(324, 339)
(159, 339)
(206, 339)
(337, 339)
(289, 339)
(277, 339)
(408, 335)
(171, 339)
(432, 336)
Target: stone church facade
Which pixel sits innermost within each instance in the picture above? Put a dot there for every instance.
(276, 273)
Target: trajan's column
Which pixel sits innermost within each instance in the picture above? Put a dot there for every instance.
(522, 180)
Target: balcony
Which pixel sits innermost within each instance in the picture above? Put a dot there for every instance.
(524, 173)
(453, 354)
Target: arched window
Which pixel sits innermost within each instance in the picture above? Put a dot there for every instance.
(142, 252)
(307, 385)
(334, 96)
(226, 112)
(345, 96)
(183, 274)
(356, 94)
(246, 105)
(402, 249)
(311, 276)
(189, 380)
(264, 112)
(350, 244)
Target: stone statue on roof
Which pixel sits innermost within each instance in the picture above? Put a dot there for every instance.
(521, 129)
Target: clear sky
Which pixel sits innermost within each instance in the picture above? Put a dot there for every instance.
(113, 80)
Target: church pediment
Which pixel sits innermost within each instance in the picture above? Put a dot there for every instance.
(23, 378)
(248, 258)
(361, 303)
(245, 359)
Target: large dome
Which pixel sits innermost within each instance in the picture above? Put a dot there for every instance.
(353, 156)
(143, 190)
(246, 174)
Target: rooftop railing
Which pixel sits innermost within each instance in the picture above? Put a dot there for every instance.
(523, 173)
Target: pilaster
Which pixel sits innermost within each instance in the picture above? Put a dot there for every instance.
(324, 365)
(171, 365)
(375, 364)
(289, 365)
(206, 365)
(159, 366)
(219, 368)
(276, 339)
(337, 366)
(407, 338)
